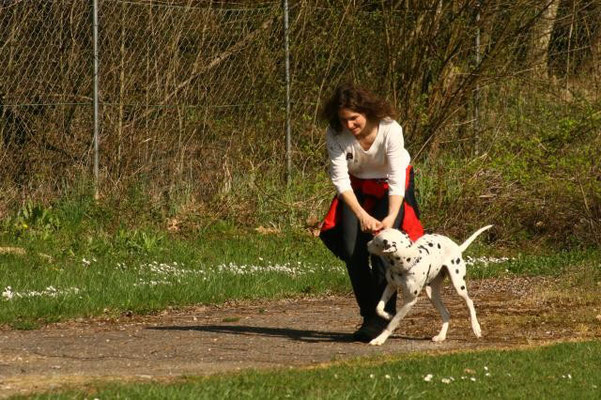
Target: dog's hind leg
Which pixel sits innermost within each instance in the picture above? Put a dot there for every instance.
(434, 296)
(457, 274)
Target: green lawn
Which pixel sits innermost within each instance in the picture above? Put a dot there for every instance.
(54, 281)
(90, 272)
(82, 259)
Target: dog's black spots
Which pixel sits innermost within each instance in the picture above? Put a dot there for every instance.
(456, 271)
(464, 278)
(430, 244)
(458, 260)
(462, 287)
(398, 258)
(415, 292)
(439, 245)
(385, 242)
(409, 259)
(424, 273)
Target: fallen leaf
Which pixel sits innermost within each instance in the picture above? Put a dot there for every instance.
(267, 231)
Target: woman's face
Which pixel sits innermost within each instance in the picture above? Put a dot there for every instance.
(354, 121)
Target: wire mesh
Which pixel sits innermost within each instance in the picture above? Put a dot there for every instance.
(181, 83)
(193, 91)
(45, 87)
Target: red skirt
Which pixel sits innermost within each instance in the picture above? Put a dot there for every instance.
(372, 191)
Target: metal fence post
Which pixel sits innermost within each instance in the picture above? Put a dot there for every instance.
(477, 90)
(96, 108)
(287, 56)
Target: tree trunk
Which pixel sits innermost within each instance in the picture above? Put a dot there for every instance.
(541, 39)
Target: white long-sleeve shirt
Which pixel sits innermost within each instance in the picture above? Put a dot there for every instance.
(386, 158)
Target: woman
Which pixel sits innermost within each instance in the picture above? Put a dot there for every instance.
(369, 167)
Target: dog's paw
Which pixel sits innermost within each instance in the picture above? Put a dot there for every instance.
(439, 338)
(379, 341)
(384, 315)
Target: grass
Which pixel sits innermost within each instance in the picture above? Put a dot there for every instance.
(109, 275)
(83, 260)
(523, 264)
(567, 370)
(105, 277)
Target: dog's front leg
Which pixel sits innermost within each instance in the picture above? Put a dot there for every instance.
(386, 295)
(392, 325)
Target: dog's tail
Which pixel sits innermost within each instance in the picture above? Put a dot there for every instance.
(469, 240)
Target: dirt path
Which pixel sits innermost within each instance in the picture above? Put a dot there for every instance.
(205, 340)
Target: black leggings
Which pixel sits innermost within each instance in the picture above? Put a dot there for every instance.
(368, 283)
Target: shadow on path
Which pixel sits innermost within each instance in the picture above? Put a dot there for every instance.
(302, 335)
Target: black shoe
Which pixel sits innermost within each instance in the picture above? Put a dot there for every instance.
(370, 329)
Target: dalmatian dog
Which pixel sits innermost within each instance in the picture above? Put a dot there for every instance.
(419, 264)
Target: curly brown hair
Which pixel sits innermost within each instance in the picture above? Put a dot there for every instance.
(357, 99)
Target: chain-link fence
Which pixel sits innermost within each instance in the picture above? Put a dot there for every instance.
(174, 77)
(194, 91)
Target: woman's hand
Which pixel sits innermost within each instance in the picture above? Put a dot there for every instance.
(388, 222)
(369, 223)
(394, 205)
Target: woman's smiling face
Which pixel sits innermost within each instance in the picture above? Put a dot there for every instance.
(354, 121)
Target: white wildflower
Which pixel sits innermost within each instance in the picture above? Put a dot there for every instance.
(428, 377)
(50, 291)
(7, 293)
(485, 261)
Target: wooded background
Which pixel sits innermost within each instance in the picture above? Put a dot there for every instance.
(499, 101)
